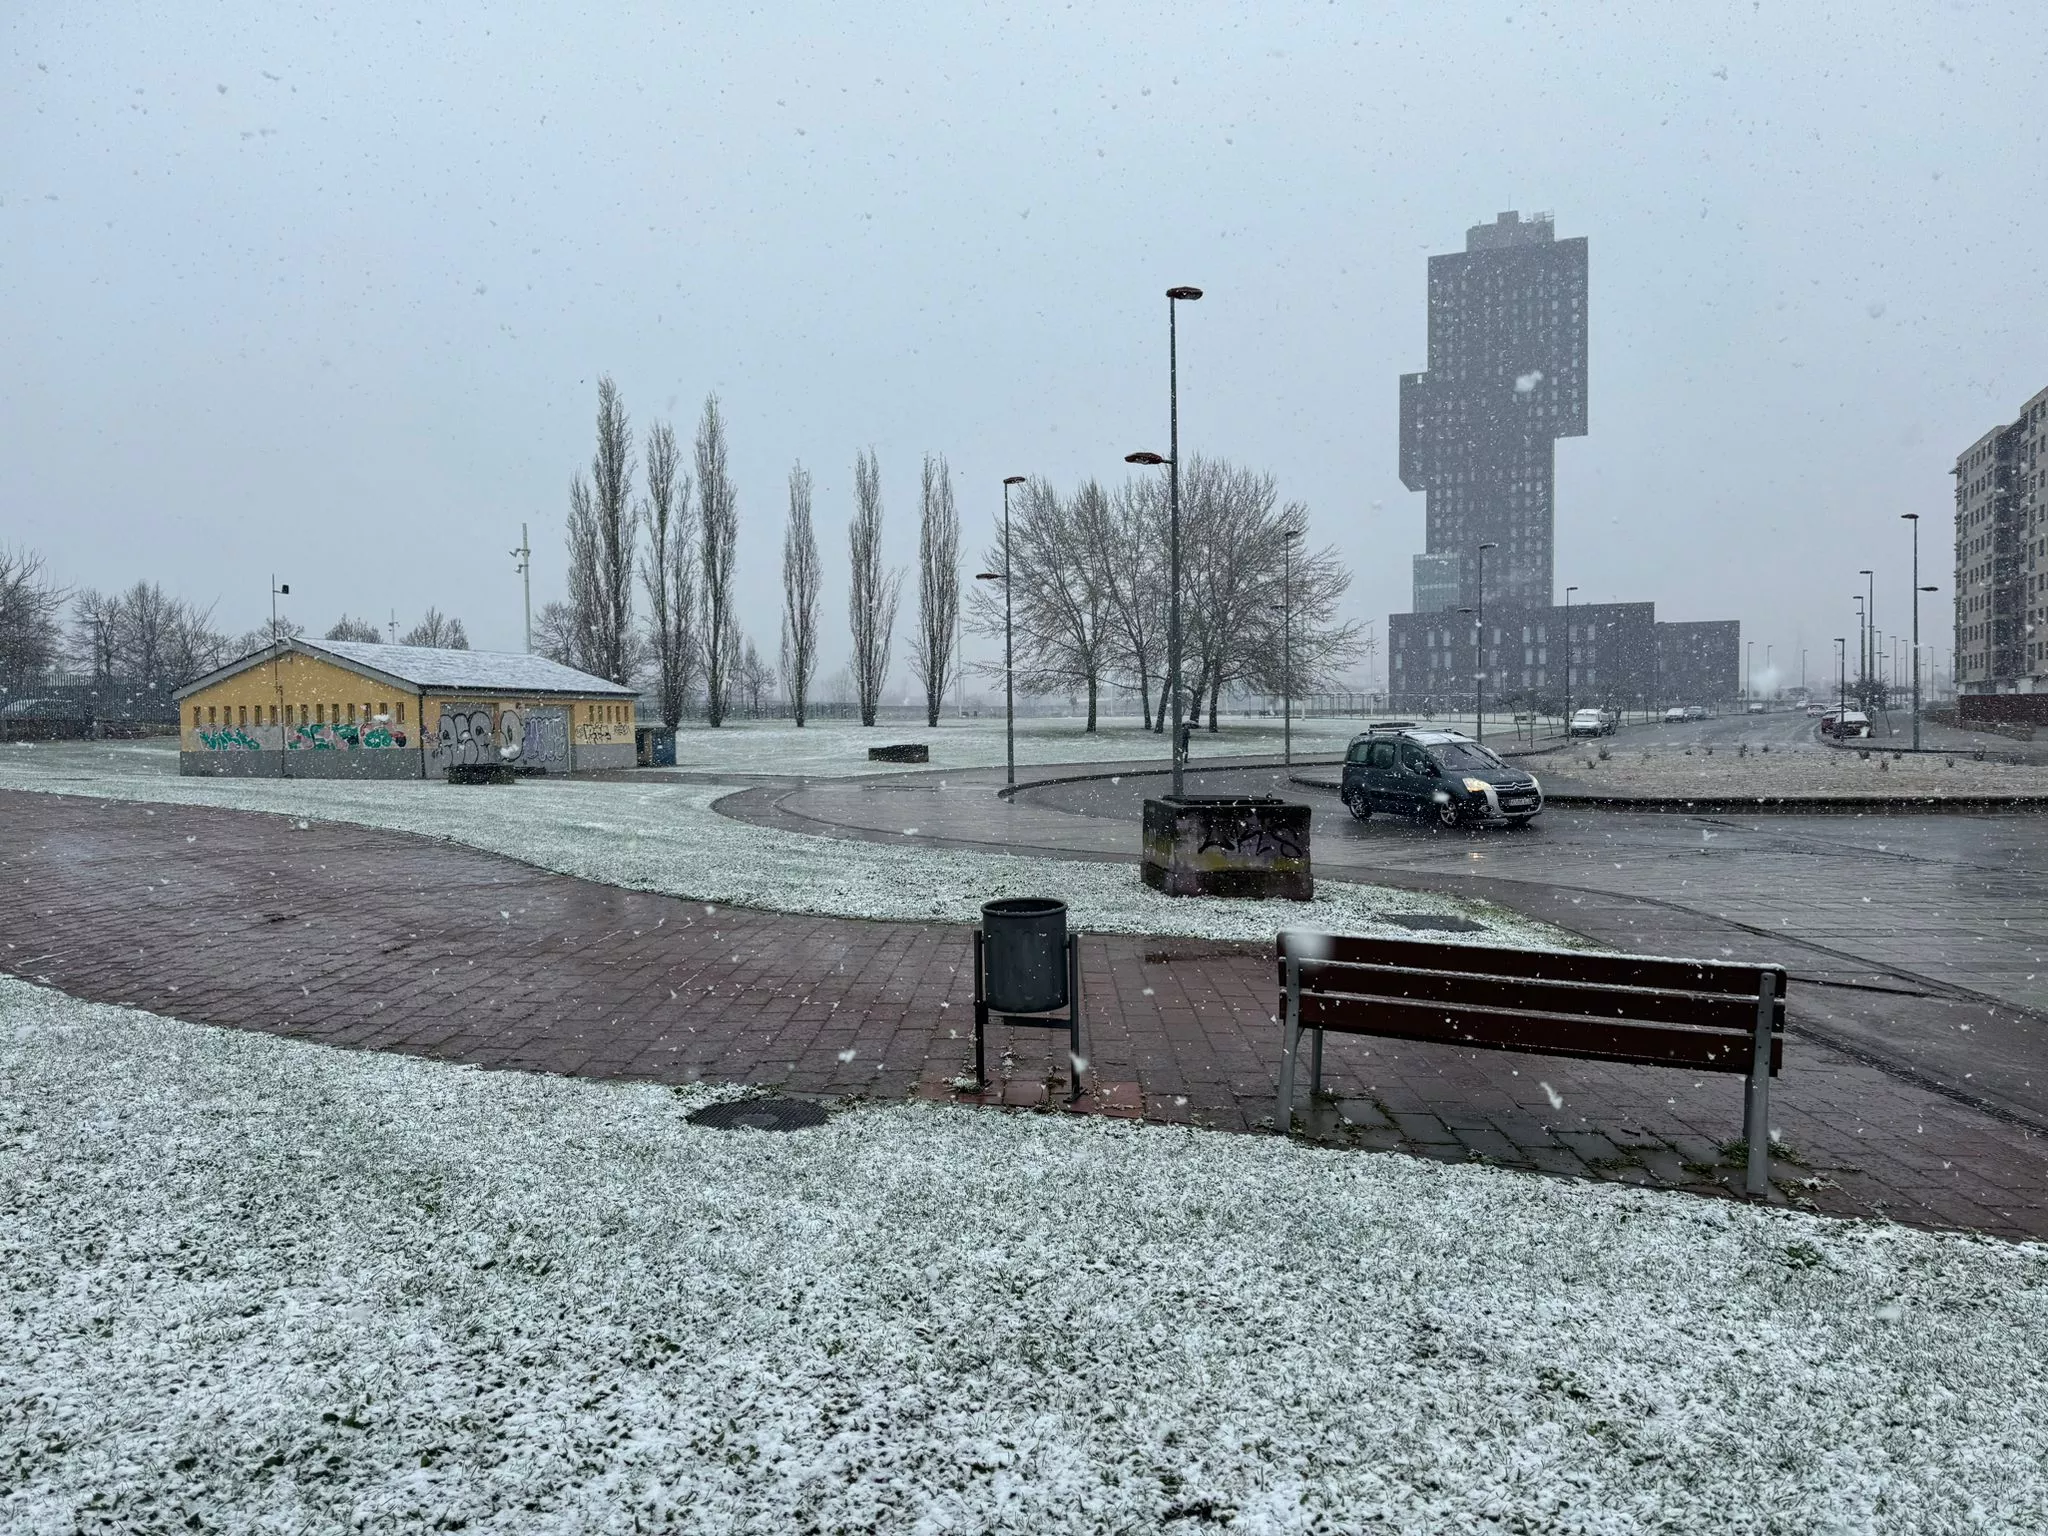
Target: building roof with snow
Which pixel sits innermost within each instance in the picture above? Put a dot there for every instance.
(427, 669)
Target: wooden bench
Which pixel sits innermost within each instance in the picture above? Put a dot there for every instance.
(1703, 1015)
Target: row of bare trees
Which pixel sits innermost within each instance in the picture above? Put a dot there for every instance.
(1089, 589)
(682, 537)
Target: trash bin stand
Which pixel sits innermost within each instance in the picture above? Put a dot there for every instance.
(1071, 1023)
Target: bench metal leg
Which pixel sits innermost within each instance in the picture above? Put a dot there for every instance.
(1291, 1038)
(1756, 1109)
(1315, 1071)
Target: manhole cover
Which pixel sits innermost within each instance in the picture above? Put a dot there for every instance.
(1437, 924)
(761, 1115)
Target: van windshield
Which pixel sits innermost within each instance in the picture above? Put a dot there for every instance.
(1463, 755)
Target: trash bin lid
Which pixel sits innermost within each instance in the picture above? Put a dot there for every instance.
(1023, 906)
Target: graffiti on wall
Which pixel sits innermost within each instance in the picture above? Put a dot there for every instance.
(231, 739)
(524, 737)
(346, 736)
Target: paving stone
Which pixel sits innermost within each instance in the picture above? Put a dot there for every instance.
(634, 986)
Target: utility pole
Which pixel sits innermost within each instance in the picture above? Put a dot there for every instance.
(276, 679)
(1568, 591)
(524, 555)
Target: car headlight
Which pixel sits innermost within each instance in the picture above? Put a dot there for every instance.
(1535, 783)
(1476, 786)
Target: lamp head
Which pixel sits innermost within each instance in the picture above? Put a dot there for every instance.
(1183, 293)
(1146, 458)
(1013, 479)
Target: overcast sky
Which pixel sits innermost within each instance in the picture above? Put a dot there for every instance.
(326, 291)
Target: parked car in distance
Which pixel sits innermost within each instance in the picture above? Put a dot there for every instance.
(1850, 722)
(1758, 707)
(1676, 715)
(1593, 722)
(1814, 711)
(1440, 776)
(1695, 711)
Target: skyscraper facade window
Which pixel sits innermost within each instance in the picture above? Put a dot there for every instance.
(1506, 379)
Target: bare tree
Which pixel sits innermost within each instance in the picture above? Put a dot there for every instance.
(753, 679)
(1126, 538)
(799, 595)
(1059, 614)
(669, 574)
(437, 632)
(30, 628)
(938, 586)
(601, 544)
(555, 634)
(718, 504)
(872, 609)
(272, 630)
(94, 615)
(346, 628)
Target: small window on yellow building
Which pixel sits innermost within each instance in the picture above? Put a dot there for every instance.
(401, 712)
(197, 716)
(210, 717)
(351, 712)
(319, 714)
(243, 711)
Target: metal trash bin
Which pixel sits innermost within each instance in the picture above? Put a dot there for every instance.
(1026, 964)
(1025, 954)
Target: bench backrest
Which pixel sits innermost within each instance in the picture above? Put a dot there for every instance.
(1635, 1008)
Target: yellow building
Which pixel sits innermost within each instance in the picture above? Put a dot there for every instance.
(342, 709)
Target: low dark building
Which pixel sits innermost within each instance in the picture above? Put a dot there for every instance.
(1699, 662)
(1593, 653)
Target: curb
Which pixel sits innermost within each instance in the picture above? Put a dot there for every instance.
(1815, 805)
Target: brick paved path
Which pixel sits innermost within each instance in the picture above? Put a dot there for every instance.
(376, 940)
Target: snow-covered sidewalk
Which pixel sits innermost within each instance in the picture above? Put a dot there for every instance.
(256, 1284)
(658, 834)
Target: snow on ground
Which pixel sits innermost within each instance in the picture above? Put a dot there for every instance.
(1666, 768)
(837, 748)
(258, 1284)
(657, 834)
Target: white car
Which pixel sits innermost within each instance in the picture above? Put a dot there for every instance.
(1588, 722)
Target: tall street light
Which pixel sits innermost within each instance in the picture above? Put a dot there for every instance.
(1748, 670)
(1174, 297)
(1568, 591)
(1287, 538)
(1479, 680)
(1841, 679)
(1868, 640)
(1914, 519)
(1009, 660)
(1857, 599)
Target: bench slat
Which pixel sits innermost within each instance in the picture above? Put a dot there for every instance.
(1505, 1029)
(1544, 965)
(1641, 1005)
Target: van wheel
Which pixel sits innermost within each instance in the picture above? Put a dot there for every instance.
(1358, 805)
(1447, 814)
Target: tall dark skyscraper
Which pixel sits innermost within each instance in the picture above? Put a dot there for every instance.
(1506, 379)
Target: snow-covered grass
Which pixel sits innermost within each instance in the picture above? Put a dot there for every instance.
(261, 1285)
(1644, 765)
(656, 834)
(837, 748)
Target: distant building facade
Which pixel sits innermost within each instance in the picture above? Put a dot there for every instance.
(2001, 561)
(1479, 428)
(1506, 379)
(1699, 662)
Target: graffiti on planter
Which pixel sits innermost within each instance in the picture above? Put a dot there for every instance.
(1251, 839)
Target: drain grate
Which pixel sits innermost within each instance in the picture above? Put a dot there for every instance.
(1432, 924)
(761, 1115)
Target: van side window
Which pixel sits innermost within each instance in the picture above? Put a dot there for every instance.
(1382, 754)
(1358, 752)
(1412, 758)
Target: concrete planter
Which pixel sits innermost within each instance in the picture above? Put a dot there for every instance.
(909, 752)
(1227, 845)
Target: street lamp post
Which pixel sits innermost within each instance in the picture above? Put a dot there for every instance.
(1287, 538)
(1869, 630)
(1748, 670)
(1171, 459)
(1770, 672)
(1857, 598)
(1009, 658)
(1568, 591)
(1914, 519)
(1841, 679)
(1479, 680)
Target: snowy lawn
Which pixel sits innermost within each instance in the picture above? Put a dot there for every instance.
(655, 834)
(837, 748)
(1808, 768)
(256, 1284)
